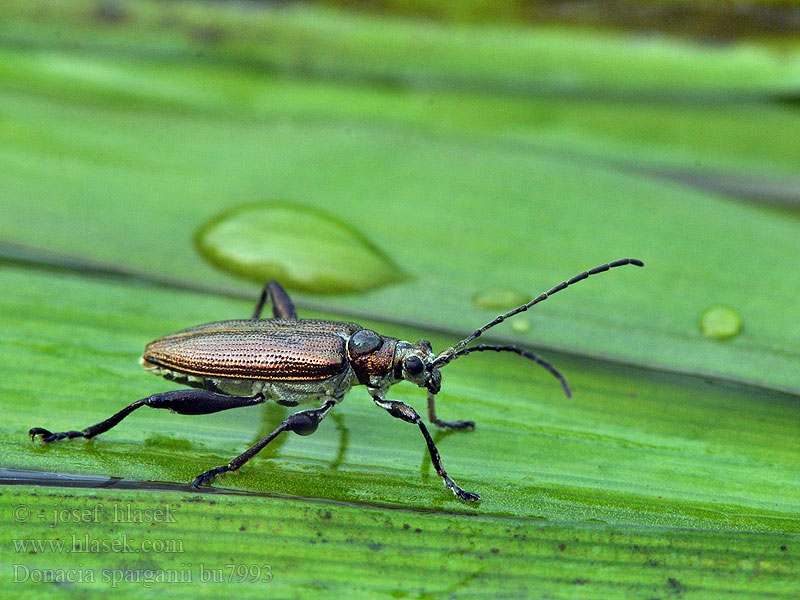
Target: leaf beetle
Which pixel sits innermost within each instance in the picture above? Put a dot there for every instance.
(293, 361)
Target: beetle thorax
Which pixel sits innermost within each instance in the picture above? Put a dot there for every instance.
(371, 357)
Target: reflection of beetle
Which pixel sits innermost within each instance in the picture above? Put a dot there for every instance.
(291, 360)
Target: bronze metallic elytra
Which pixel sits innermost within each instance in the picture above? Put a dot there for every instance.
(292, 361)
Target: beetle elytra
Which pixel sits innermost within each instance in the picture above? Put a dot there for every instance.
(231, 364)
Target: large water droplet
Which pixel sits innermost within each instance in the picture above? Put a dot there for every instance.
(720, 322)
(303, 248)
(499, 299)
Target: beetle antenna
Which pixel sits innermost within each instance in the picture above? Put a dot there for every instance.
(446, 356)
(529, 355)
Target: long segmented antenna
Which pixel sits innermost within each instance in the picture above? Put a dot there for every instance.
(529, 355)
(446, 356)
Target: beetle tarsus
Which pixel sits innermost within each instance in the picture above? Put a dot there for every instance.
(34, 431)
(49, 436)
(459, 491)
(209, 476)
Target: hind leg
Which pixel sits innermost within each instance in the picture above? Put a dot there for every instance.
(184, 402)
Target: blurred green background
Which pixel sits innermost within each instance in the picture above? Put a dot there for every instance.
(416, 166)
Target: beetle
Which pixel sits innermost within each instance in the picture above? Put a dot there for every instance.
(236, 363)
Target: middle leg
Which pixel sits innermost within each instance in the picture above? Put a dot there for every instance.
(304, 422)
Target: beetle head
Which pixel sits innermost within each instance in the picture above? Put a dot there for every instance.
(414, 363)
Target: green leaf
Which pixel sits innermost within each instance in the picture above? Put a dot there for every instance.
(641, 479)
(458, 215)
(204, 546)
(718, 142)
(119, 141)
(626, 429)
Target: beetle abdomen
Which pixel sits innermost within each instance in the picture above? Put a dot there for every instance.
(240, 349)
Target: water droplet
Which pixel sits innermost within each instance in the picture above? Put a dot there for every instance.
(499, 299)
(720, 322)
(301, 247)
(520, 325)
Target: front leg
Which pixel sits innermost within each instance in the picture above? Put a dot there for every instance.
(401, 410)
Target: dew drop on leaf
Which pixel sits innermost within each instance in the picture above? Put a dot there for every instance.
(520, 325)
(303, 248)
(501, 299)
(720, 322)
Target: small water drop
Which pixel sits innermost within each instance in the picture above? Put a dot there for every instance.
(520, 325)
(499, 299)
(301, 247)
(720, 322)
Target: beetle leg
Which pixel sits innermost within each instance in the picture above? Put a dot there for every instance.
(282, 305)
(304, 422)
(184, 402)
(401, 410)
(445, 424)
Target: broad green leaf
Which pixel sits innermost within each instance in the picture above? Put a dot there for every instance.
(255, 547)
(458, 215)
(716, 143)
(632, 447)
(642, 484)
(123, 133)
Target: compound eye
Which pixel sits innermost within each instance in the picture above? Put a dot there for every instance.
(364, 342)
(413, 365)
